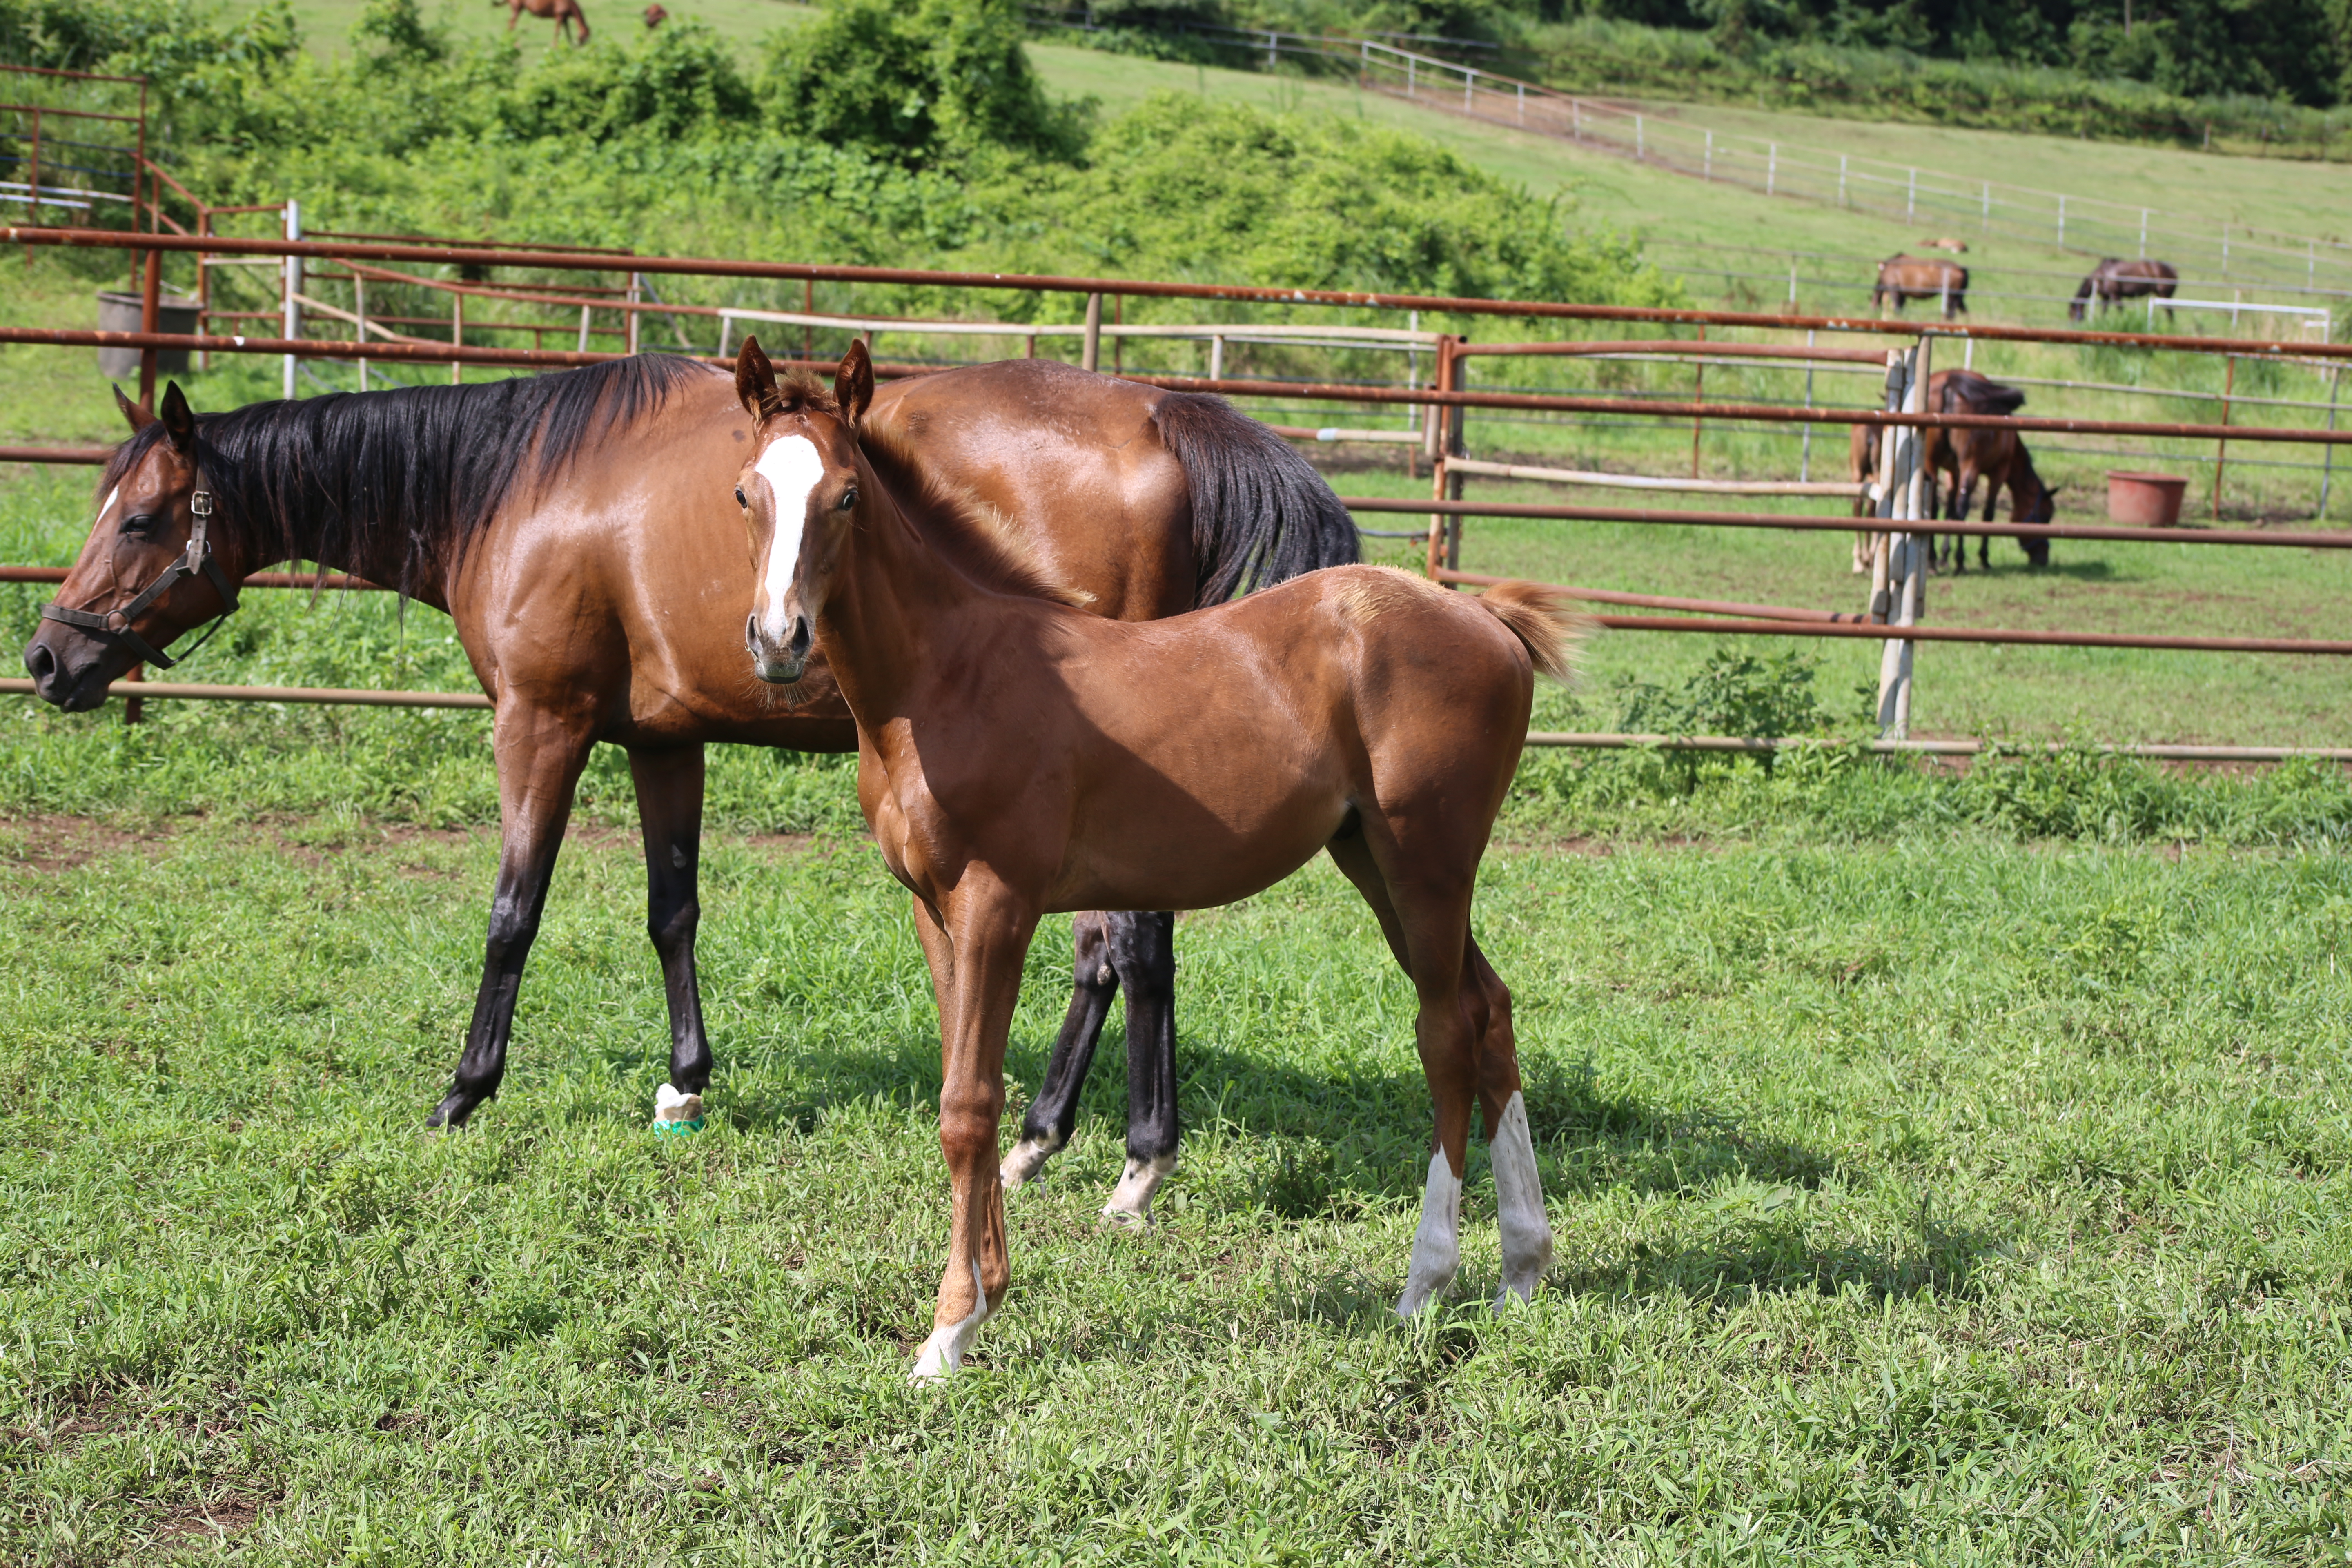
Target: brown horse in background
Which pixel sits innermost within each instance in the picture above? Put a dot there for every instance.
(563, 11)
(1999, 457)
(1906, 278)
(1017, 756)
(2113, 281)
(577, 527)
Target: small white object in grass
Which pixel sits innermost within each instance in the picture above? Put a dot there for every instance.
(943, 1352)
(1437, 1245)
(1518, 1200)
(670, 1105)
(1130, 1201)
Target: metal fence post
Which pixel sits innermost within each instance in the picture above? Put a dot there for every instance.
(2327, 453)
(359, 323)
(150, 288)
(293, 309)
(1440, 380)
(1090, 355)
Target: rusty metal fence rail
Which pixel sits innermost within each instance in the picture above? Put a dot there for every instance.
(1438, 408)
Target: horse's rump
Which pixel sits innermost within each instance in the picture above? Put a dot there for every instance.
(1261, 513)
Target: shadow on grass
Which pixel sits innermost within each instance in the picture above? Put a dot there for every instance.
(1299, 1142)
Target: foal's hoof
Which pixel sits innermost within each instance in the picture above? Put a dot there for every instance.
(1130, 1201)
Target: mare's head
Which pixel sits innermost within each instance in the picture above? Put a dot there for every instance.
(801, 495)
(147, 572)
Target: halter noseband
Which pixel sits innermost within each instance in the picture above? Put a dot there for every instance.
(197, 560)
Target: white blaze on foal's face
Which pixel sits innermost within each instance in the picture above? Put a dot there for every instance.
(792, 466)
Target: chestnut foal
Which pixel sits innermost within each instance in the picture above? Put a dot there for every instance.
(1017, 756)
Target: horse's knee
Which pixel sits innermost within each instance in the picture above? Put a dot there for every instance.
(968, 1123)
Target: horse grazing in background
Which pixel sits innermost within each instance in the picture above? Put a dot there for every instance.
(565, 13)
(1957, 247)
(1018, 756)
(577, 527)
(2114, 280)
(1998, 457)
(1906, 278)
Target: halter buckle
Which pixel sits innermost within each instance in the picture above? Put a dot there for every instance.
(200, 503)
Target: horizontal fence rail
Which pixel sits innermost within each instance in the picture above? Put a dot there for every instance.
(330, 695)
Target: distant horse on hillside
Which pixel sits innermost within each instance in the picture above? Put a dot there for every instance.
(1907, 277)
(563, 13)
(2114, 280)
(1945, 242)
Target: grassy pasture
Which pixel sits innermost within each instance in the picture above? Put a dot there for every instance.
(1936, 1201)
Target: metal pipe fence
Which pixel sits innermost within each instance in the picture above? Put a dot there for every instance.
(1436, 408)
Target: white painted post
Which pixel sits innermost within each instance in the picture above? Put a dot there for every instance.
(1805, 454)
(2062, 223)
(2143, 234)
(1637, 139)
(292, 313)
(2327, 453)
(1771, 165)
(1707, 163)
(1408, 75)
(1217, 357)
(1469, 80)
(1988, 207)
(583, 329)
(1911, 202)
(1270, 51)
(1841, 179)
(636, 288)
(359, 323)
(1523, 103)
(457, 336)
(1906, 552)
(1091, 354)
(1575, 119)
(726, 331)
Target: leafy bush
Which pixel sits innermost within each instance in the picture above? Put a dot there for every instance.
(941, 77)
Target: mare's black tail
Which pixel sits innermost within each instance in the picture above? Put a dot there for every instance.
(1261, 514)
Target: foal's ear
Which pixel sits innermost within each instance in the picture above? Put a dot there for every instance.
(853, 384)
(140, 419)
(755, 380)
(179, 419)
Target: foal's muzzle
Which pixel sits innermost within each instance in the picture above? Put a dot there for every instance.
(779, 665)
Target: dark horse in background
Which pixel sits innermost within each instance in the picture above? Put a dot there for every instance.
(582, 530)
(1998, 457)
(2114, 280)
(1906, 278)
(1962, 456)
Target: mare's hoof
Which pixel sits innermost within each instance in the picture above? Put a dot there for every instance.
(451, 1113)
(676, 1114)
(1024, 1165)
(1116, 1219)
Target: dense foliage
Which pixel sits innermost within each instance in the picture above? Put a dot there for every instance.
(906, 135)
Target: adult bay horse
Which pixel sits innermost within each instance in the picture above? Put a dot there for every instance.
(1018, 756)
(578, 528)
(1906, 278)
(2114, 280)
(1998, 457)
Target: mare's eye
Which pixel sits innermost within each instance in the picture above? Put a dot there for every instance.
(740, 500)
(138, 522)
(848, 499)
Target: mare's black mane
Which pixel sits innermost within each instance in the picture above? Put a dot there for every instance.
(388, 483)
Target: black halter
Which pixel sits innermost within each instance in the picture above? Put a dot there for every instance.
(196, 560)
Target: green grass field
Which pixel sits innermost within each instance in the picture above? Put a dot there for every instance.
(1938, 1200)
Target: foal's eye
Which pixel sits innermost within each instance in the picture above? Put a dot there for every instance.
(740, 500)
(848, 499)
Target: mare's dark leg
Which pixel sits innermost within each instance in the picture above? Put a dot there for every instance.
(1143, 951)
(669, 813)
(1114, 949)
(540, 756)
(1055, 1112)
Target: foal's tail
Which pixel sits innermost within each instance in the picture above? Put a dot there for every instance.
(1541, 618)
(1261, 514)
